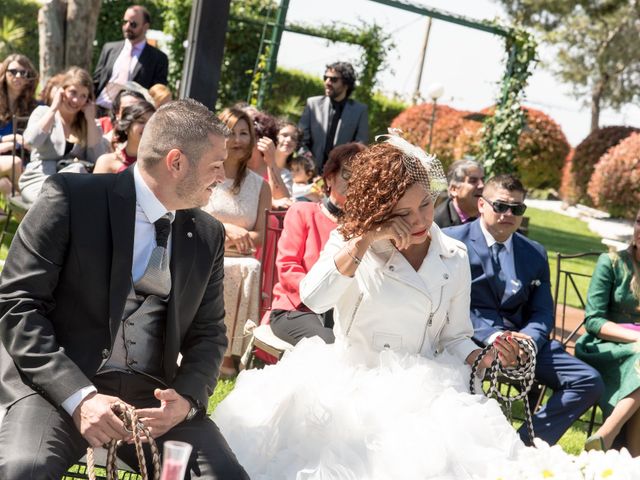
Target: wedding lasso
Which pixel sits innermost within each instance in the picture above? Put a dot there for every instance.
(131, 424)
(522, 375)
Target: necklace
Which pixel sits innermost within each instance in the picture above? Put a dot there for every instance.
(332, 207)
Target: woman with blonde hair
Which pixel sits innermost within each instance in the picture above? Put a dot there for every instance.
(18, 81)
(66, 130)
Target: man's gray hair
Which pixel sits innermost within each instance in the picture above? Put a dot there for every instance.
(182, 124)
(460, 169)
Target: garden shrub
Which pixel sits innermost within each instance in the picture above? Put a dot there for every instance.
(615, 183)
(449, 124)
(587, 154)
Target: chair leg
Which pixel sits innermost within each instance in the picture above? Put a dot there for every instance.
(592, 420)
(5, 227)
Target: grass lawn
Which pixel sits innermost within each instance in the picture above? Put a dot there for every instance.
(557, 233)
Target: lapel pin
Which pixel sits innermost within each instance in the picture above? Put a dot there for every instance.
(189, 234)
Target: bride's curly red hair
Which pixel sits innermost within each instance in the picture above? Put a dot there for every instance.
(378, 180)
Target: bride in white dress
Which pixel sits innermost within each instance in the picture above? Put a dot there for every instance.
(390, 399)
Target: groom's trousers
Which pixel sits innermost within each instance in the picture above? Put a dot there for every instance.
(39, 441)
(576, 386)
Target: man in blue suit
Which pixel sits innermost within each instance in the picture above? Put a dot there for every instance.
(511, 291)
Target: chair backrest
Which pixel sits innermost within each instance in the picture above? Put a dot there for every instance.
(570, 279)
(18, 125)
(273, 226)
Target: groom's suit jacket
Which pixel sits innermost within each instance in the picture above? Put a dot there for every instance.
(66, 279)
(530, 309)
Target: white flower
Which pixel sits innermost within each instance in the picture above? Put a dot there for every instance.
(535, 283)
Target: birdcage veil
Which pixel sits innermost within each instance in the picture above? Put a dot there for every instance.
(423, 168)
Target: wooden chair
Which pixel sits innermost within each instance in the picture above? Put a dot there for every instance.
(14, 205)
(265, 345)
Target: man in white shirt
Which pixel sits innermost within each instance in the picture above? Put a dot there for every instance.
(108, 280)
(131, 59)
(511, 291)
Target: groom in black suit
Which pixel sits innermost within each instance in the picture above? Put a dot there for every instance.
(109, 278)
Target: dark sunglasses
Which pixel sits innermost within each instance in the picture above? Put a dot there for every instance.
(133, 23)
(331, 79)
(503, 207)
(19, 73)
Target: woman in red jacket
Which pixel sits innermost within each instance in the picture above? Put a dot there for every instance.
(306, 229)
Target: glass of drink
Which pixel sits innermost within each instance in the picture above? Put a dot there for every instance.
(175, 459)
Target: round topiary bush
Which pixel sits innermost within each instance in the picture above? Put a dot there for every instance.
(568, 191)
(415, 122)
(586, 155)
(615, 183)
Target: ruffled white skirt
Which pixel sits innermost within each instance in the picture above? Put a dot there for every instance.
(332, 412)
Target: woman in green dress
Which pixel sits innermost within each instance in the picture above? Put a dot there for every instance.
(612, 343)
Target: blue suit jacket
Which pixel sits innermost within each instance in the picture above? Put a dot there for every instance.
(530, 309)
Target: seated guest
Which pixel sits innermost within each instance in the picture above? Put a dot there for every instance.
(160, 94)
(465, 188)
(263, 159)
(511, 291)
(66, 130)
(123, 99)
(239, 203)
(303, 172)
(18, 81)
(611, 344)
(306, 229)
(126, 138)
(49, 90)
(286, 147)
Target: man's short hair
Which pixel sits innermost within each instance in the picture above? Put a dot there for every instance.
(347, 73)
(145, 13)
(459, 170)
(182, 124)
(506, 181)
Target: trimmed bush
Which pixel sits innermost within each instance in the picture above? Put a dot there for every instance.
(568, 192)
(615, 183)
(587, 154)
(449, 124)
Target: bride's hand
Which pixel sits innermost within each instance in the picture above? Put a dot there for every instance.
(507, 349)
(395, 229)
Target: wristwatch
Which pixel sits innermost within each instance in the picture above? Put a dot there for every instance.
(193, 411)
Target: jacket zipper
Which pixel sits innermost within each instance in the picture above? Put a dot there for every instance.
(430, 321)
(353, 315)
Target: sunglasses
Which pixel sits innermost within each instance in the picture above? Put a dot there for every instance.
(503, 207)
(133, 23)
(19, 73)
(331, 79)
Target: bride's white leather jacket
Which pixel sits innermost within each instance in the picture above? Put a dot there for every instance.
(387, 304)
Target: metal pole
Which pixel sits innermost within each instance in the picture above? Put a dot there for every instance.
(425, 43)
(432, 123)
(272, 59)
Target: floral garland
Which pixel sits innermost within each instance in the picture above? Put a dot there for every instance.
(502, 130)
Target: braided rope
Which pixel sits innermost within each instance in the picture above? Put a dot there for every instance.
(522, 376)
(129, 417)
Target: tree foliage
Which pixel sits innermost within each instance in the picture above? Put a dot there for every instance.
(597, 46)
(19, 28)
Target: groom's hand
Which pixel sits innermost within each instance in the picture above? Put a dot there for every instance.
(173, 410)
(96, 421)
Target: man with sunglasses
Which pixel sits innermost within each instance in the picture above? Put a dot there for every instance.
(511, 292)
(334, 118)
(131, 59)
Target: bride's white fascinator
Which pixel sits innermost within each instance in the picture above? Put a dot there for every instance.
(421, 167)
